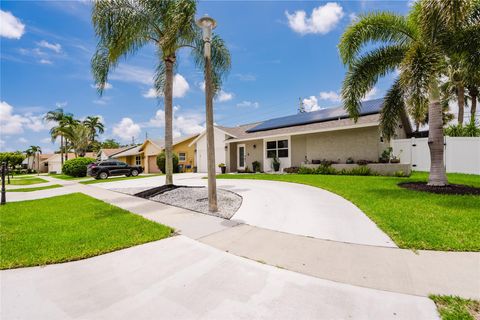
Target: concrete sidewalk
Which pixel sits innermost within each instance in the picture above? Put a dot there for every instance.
(179, 278)
(391, 269)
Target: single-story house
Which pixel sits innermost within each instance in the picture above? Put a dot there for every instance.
(54, 163)
(37, 162)
(326, 134)
(145, 155)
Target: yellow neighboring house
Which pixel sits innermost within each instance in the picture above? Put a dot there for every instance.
(145, 155)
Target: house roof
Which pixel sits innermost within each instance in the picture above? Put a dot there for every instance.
(110, 152)
(71, 155)
(243, 133)
(367, 108)
(132, 151)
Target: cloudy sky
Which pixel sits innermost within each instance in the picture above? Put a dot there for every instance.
(281, 51)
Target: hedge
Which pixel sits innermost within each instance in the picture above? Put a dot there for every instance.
(77, 167)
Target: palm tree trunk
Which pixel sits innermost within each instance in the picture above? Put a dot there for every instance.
(473, 109)
(61, 148)
(168, 98)
(437, 176)
(461, 103)
(212, 182)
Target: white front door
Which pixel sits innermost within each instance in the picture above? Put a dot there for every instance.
(241, 157)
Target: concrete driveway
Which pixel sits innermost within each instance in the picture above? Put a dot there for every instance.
(287, 207)
(179, 278)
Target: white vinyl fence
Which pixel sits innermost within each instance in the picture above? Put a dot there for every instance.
(462, 154)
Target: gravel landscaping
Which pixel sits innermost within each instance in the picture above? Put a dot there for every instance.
(196, 199)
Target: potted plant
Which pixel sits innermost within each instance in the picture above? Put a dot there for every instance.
(276, 164)
(385, 157)
(350, 161)
(223, 167)
(396, 159)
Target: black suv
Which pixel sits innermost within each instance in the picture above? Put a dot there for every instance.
(106, 168)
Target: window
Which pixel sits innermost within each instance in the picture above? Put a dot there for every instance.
(182, 156)
(138, 160)
(277, 148)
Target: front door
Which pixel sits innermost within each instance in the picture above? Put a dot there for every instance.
(241, 157)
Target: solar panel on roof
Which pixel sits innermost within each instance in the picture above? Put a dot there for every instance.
(368, 107)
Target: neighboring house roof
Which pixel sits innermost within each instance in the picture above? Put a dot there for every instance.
(110, 152)
(328, 114)
(133, 151)
(222, 129)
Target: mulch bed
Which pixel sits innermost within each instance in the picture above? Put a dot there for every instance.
(457, 189)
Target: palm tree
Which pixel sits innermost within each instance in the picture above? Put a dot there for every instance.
(95, 125)
(124, 26)
(79, 136)
(56, 116)
(35, 151)
(417, 45)
(28, 153)
(66, 124)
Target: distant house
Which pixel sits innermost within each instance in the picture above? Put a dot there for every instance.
(37, 162)
(54, 162)
(145, 155)
(301, 138)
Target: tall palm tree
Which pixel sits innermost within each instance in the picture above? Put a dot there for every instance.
(56, 116)
(36, 151)
(78, 135)
(66, 124)
(29, 153)
(417, 45)
(125, 26)
(95, 125)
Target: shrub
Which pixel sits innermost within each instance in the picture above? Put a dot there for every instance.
(362, 162)
(291, 170)
(325, 169)
(256, 166)
(161, 162)
(305, 170)
(470, 130)
(359, 171)
(77, 167)
(350, 161)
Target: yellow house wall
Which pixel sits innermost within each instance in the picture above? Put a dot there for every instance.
(189, 153)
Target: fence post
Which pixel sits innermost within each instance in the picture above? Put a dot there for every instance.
(3, 200)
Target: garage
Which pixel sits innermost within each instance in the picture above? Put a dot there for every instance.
(152, 164)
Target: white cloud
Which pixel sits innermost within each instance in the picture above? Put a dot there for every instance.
(180, 88)
(322, 20)
(246, 104)
(311, 104)
(22, 140)
(11, 123)
(107, 86)
(128, 73)
(52, 46)
(102, 101)
(353, 17)
(372, 94)
(184, 124)
(45, 61)
(46, 140)
(10, 26)
(61, 104)
(224, 96)
(126, 129)
(245, 77)
(330, 96)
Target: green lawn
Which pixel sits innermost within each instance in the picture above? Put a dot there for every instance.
(52, 186)
(413, 219)
(68, 227)
(112, 179)
(65, 177)
(26, 181)
(456, 308)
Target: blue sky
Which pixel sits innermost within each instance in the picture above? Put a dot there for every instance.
(281, 51)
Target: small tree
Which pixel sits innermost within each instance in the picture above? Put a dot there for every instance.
(161, 162)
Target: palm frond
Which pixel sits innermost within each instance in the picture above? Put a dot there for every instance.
(364, 73)
(393, 107)
(383, 27)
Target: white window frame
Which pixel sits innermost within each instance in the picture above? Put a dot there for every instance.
(138, 160)
(184, 156)
(276, 149)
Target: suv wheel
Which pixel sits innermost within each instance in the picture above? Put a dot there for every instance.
(134, 172)
(103, 175)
